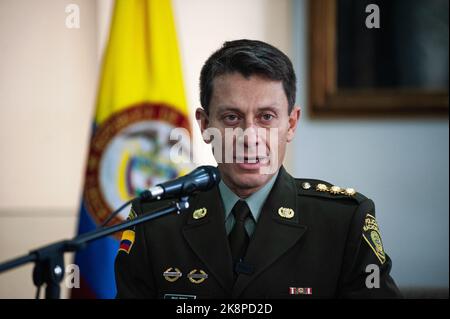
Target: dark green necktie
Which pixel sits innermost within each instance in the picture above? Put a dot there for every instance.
(238, 237)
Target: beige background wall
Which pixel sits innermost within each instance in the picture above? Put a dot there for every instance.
(47, 88)
(48, 80)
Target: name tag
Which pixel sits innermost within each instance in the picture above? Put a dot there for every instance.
(177, 297)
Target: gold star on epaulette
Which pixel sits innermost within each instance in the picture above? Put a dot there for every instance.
(335, 190)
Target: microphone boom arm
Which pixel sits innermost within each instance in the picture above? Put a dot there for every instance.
(49, 261)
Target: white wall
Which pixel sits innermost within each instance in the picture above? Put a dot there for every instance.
(48, 80)
(47, 89)
(403, 165)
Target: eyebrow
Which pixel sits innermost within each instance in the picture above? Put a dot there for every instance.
(226, 108)
(269, 108)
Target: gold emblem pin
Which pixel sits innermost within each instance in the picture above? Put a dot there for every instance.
(286, 212)
(199, 213)
(172, 274)
(197, 277)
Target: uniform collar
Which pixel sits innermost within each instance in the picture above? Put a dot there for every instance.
(255, 201)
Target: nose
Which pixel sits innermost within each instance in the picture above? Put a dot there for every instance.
(251, 137)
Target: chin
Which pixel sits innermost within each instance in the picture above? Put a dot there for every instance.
(244, 178)
(250, 181)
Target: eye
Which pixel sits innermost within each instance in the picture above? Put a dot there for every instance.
(231, 119)
(267, 117)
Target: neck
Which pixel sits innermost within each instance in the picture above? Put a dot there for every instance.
(244, 192)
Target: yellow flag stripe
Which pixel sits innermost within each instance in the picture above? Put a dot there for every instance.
(142, 62)
(128, 235)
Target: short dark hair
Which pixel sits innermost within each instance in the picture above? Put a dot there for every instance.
(248, 57)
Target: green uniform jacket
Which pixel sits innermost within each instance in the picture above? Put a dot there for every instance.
(307, 244)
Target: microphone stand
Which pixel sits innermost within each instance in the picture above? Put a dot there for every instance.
(49, 261)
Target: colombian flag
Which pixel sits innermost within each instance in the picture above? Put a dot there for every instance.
(140, 100)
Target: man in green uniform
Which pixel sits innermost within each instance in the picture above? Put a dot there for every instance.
(260, 233)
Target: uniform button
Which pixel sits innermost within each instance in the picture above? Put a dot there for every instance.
(306, 185)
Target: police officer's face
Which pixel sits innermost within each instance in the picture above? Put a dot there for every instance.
(258, 107)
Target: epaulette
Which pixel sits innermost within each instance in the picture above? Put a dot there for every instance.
(314, 187)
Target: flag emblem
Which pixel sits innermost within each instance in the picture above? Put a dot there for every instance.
(127, 241)
(130, 153)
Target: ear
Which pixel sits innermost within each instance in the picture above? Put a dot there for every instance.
(203, 121)
(293, 120)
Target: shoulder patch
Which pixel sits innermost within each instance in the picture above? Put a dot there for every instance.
(127, 241)
(128, 235)
(371, 235)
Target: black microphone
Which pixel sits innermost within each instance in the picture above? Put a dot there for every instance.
(200, 179)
